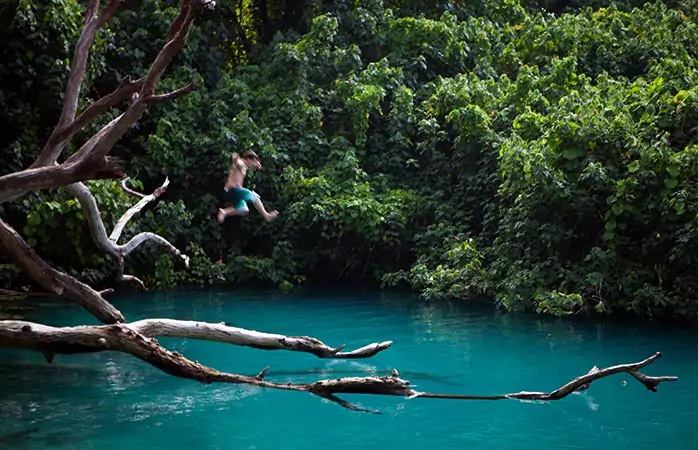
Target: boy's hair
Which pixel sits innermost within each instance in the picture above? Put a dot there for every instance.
(250, 154)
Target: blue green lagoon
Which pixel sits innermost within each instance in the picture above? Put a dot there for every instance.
(114, 401)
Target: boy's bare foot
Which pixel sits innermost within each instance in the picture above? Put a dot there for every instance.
(221, 215)
(271, 216)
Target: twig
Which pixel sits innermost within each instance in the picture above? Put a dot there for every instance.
(172, 95)
(128, 190)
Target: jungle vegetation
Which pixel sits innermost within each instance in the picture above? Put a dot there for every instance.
(539, 154)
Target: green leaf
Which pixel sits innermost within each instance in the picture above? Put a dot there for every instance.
(572, 153)
(634, 166)
(34, 219)
(673, 170)
(671, 183)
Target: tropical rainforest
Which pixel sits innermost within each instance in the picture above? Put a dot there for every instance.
(541, 155)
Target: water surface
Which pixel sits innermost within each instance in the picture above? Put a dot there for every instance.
(111, 400)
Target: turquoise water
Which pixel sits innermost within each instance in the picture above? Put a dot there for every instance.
(110, 401)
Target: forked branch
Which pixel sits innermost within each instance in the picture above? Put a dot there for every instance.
(110, 243)
(135, 209)
(134, 339)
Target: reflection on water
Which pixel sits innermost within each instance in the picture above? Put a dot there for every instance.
(110, 400)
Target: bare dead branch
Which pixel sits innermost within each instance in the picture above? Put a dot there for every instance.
(346, 404)
(92, 8)
(191, 87)
(17, 184)
(578, 384)
(135, 279)
(122, 93)
(55, 146)
(91, 162)
(127, 339)
(179, 31)
(220, 332)
(115, 130)
(146, 236)
(135, 209)
(650, 383)
(110, 243)
(260, 375)
(53, 280)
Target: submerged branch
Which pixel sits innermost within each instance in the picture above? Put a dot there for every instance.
(135, 339)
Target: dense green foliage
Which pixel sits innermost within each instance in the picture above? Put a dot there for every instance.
(545, 159)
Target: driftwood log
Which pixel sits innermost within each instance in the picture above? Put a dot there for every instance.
(92, 162)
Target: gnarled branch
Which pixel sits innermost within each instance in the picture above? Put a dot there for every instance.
(122, 93)
(128, 190)
(182, 24)
(110, 243)
(135, 209)
(131, 339)
(91, 162)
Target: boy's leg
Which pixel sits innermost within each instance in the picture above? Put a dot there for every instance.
(253, 198)
(268, 216)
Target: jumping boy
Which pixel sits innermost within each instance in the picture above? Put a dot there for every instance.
(238, 195)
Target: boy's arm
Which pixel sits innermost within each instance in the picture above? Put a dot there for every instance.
(237, 162)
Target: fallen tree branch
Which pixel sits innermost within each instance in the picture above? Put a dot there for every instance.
(249, 338)
(127, 338)
(54, 280)
(578, 384)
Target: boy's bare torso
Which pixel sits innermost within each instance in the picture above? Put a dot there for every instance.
(237, 174)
